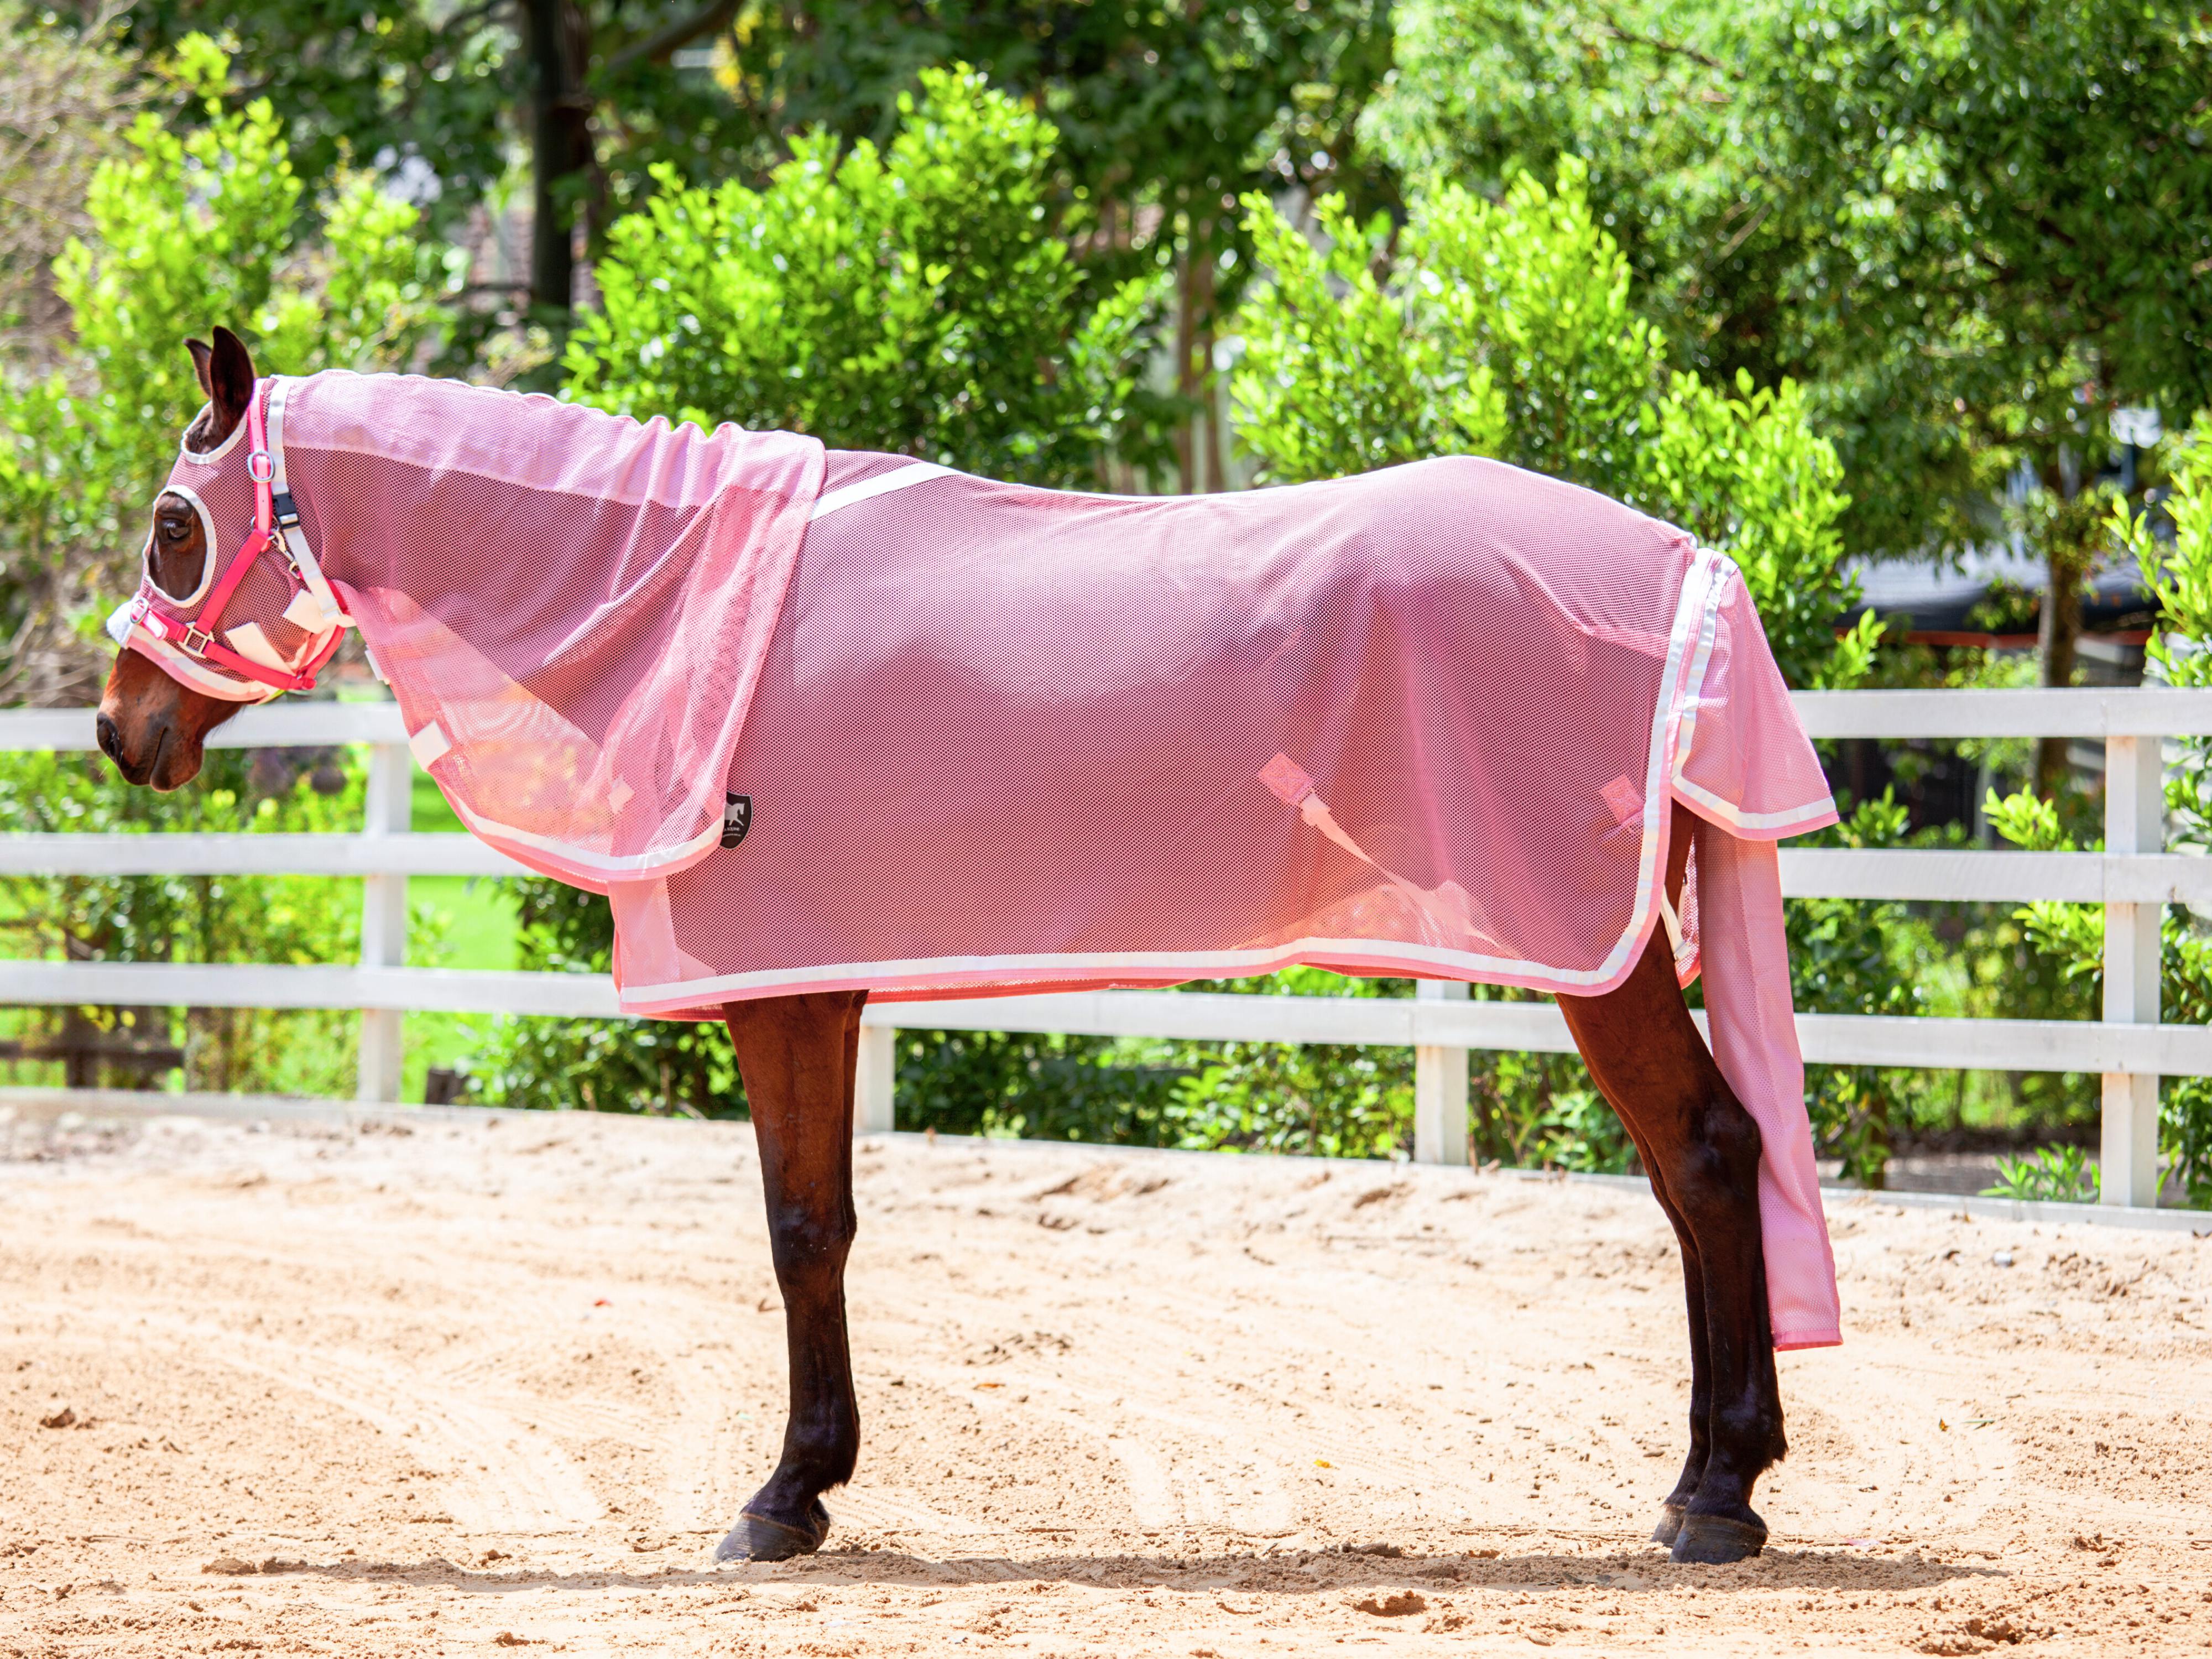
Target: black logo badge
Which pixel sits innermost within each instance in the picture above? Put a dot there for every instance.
(737, 817)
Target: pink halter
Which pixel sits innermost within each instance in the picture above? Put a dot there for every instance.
(276, 525)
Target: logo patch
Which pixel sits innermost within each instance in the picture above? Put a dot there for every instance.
(737, 817)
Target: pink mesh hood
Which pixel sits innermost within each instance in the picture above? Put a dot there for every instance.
(571, 607)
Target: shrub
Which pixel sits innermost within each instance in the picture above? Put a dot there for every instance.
(1506, 329)
(917, 299)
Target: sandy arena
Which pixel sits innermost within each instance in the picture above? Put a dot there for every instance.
(444, 1386)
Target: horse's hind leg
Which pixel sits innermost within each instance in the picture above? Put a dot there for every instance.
(1701, 1148)
(798, 1056)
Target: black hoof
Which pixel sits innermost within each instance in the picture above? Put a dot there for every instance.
(1670, 1524)
(1717, 1541)
(757, 1538)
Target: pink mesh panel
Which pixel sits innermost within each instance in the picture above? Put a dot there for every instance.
(577, 603)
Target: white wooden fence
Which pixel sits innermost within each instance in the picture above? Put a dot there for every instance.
(2132, 880)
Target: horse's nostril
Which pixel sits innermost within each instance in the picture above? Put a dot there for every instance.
(111, 740)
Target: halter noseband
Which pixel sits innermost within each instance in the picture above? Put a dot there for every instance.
(275, 524)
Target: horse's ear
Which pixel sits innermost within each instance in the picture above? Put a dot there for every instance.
(202, 355)
(230, 381)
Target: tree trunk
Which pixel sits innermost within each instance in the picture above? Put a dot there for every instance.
(2058, 629)
(556, 38)
(1186, 440)
(1198, 443)
(2058, 632)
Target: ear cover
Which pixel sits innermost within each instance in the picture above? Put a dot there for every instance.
(229, 381)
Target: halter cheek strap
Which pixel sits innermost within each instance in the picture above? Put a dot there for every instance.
(276, 525)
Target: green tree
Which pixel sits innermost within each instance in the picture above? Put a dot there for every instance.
(185, 230)
(1507, 329)
(1971, 231)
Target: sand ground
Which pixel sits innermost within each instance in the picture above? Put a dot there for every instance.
(425, 1387)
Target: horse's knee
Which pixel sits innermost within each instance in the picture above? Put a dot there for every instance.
(1719, 1159)
(804, 1240)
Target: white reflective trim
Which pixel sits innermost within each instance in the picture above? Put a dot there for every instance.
(429, 746)
(208, 457)
(207, 565)
(882, 484)
(632, 866)
(195, 675)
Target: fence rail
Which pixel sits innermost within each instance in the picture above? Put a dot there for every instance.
(2132, 880)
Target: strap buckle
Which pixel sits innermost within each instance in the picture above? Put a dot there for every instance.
(287, 511)
(195, 642)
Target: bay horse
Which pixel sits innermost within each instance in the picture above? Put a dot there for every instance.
(798, 1054)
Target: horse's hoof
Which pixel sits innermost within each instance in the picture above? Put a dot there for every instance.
(1716, 1541)
(1670, 1524)
(757, 1538)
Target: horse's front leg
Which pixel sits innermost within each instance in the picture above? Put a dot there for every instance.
(797, 1055)
(1702, 1148)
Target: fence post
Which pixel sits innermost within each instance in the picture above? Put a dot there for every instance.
(873, 1080)
(1439, 1087)
(384, 919)
(2135, 809)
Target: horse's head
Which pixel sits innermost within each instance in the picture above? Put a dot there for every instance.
(206, 633)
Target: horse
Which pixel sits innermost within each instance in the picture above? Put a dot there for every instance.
(797, 1051)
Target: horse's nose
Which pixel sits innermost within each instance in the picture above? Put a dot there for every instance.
(111, 740)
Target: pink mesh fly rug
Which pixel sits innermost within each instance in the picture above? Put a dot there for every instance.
(816, 720)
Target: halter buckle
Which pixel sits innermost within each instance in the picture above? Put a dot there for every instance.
(195, 642)
(259, 466)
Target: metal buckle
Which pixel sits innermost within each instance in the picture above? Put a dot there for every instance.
(195, 642)
(264, 471)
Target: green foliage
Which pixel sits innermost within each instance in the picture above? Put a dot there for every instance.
(188, 230)
(1969, 230)
(1506, 329)
(1322, 1100)
(2179, 653)
(1338, 376)
(1749, 475)
(272, 919)
(429, 82)
(918, 299)
(2058, 1174)
(664, 1067)
(1850, 958)
(2071, 937)
(1039, 1087)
